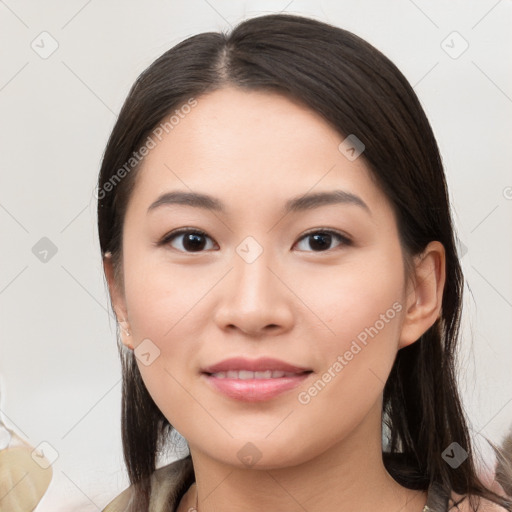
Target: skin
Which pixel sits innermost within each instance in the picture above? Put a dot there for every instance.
(295, 302)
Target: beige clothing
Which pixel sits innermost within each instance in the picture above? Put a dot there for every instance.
(171, 482)
(168, 485)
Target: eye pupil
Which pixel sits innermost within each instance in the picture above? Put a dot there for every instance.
(193, 242)
(318, 240)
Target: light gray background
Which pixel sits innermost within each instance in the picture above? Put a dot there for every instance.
(60, 376)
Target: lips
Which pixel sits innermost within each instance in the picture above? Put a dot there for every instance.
(254, 380)
(247, 374)
(263, 364)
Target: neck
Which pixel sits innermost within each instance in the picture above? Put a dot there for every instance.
(349, 476)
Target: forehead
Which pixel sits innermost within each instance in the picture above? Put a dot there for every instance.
(251, 147)
(234, 125)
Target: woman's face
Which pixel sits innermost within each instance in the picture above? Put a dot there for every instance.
(263, 282)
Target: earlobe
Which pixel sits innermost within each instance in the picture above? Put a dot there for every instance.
(425, 293)
(117, 300)
(125, 334)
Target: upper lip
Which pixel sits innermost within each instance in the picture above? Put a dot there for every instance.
(255, 365)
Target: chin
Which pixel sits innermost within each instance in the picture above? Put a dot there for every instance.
(263, 454)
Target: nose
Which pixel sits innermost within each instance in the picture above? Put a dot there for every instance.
(254, 299)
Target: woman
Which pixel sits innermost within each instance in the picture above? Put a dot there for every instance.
(276, 235)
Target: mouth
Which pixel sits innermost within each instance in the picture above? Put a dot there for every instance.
(247, 374)
(254, 380)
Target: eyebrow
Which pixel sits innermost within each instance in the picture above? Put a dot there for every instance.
(295, 204)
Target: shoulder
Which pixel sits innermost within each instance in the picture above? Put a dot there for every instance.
(463, 504)
(166, 482)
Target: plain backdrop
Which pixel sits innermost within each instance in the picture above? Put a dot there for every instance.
(60, 375)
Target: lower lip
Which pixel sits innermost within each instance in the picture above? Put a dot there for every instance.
(255, 390)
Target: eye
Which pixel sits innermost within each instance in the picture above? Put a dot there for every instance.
(322, 239)
(193, 240)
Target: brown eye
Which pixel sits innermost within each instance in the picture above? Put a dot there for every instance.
(320, 241)
(189, 240)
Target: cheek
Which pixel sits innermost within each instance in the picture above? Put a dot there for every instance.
(165, 310)
(162, 297)
(164, 306)
(360, 301)
(361, 311)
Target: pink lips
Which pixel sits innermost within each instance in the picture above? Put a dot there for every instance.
(231, 378)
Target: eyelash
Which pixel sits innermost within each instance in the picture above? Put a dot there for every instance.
(171, 236)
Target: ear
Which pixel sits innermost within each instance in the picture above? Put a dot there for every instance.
(424, 293)
(118, 300)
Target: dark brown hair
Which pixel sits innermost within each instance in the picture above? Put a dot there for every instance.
(358, 91)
